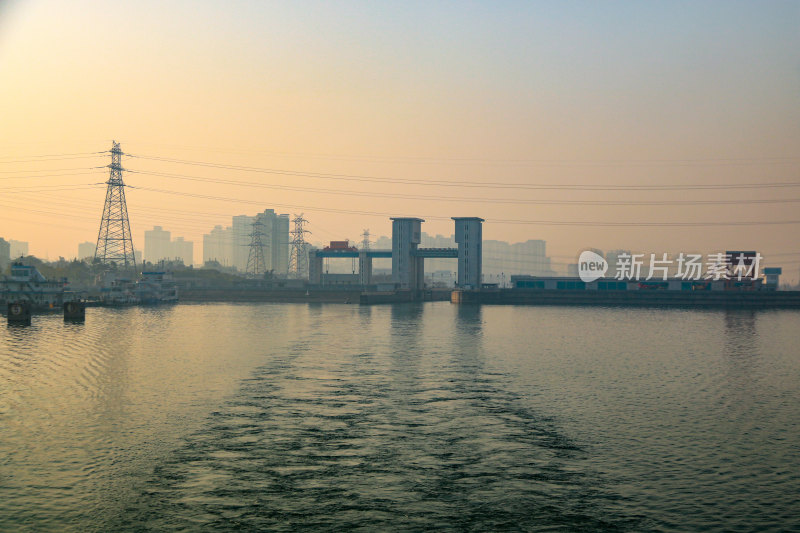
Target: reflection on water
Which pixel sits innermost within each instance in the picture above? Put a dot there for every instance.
(469, 315)
(402, 417)
(741, 334)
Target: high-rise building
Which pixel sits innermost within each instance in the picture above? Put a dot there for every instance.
(86, 250)
(231, 246)
(385, 243)
(280, 244)
(241, 229)
(183, 250)
(5, 253)
(217, 246)
(268, 243)
(529, 257)
(18, 248)
(159, 246)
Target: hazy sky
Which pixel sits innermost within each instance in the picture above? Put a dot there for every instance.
(399, 97)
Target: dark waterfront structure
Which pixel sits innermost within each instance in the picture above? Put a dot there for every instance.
(75, 311)
(19, 313)
(574, 295)
(27, 284)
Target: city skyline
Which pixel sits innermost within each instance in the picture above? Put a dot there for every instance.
(500, 257)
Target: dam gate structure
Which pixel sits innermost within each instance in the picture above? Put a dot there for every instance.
(408, 259)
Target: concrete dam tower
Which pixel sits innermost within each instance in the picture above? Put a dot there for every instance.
(469, 237)
(408, 270)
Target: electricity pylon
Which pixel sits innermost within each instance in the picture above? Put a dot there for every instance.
(256, 266)
(298, 254)
(114, 240)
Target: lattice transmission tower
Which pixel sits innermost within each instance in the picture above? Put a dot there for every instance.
(114, 240)
(365, 240)
(256, 266)
(298, 253)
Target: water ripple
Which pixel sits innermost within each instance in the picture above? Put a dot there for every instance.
(408, 418)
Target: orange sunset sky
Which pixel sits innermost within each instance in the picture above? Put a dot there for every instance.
(648, 126)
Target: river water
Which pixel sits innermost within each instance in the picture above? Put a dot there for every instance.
(408, 417)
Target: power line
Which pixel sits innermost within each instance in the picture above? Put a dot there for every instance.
(46, 212)
(463, 183)
(46, 224)
(505, 221)
(493, 161)
(48, 170)
(57, 157)
(169, 213)
(156, 219)
(484, 200)
(45, 188)
(77, 207)
(48, 175)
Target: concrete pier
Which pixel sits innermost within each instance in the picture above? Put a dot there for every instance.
(19, 313)
(75, 311)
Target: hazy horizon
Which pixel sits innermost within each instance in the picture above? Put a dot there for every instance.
(354, 112)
